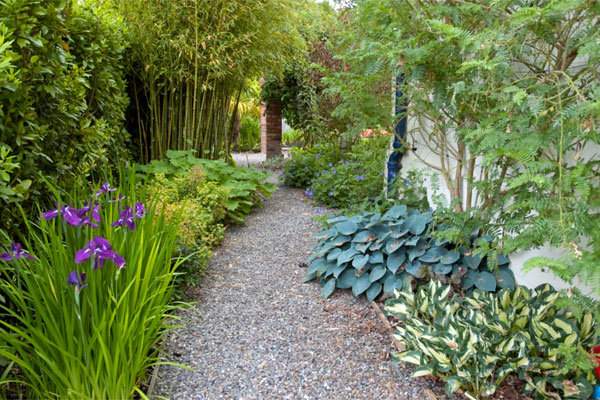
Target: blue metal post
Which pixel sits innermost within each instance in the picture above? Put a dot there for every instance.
(395, 160)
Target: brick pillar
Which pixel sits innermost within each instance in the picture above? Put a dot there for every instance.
(270, 129)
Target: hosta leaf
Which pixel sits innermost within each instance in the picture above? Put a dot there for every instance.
(364, 236)
(315, 265)
(393, 245)
(346, 227)
(341, 239)
(505, 278)
(333, 255)
(361, 285)
(362, 247)
(337, 219)
(359, 261)
(376, 258)
(473, 261)
(411, 357)
(423, 370)
(442, 269)
(413, 241)
(416, 269)
(503, 260)
(346, 279)
(390, 283)
(395, 260)
(485, 281)
(432, 255)
(346, 256)
(415, 224)
(374, 291)
(309, 277)
(414, 253)
(328, 288)
(453, 383)
(325, 234)
(377, 273)
(338, 270)
(450, 257)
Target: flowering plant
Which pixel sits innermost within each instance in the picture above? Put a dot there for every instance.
(92, 291)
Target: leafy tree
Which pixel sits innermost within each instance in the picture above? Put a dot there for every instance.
(505, 93)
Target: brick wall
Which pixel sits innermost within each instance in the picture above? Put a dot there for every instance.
(270, 129)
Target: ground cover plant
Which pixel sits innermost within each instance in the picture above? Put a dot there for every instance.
(86, 295)
(373, 253)
(474, 342)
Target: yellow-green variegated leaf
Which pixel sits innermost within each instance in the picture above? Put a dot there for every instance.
(549, 330)
(571, 339)
(423, 370)
(564, 325)
(398, 309)
(424, 305)
(439, 356)
(452, 385)
(490, 359)
(547, 365)
(586, 325)
(411, 357)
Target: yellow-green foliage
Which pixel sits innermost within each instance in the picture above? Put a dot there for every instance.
(202, 207)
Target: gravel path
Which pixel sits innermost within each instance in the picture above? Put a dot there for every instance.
(258, 332)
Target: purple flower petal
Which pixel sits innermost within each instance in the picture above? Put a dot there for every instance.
(71, 216)
(5, 257)
(77, 280)
(48, 215)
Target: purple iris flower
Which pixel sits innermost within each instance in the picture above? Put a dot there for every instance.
(121, 197)
(71, 215)
(101, 250)
(125, 218)
(139, 210)
(360, 177)
(105, 188)
(48, 215)
(15, 253)
(77, 280)
(85, 220)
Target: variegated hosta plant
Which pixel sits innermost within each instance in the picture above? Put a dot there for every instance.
(373, 253)
(474, 342)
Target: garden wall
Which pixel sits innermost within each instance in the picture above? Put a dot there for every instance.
(531, 279)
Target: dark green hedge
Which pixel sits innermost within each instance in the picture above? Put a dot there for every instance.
(62, 98)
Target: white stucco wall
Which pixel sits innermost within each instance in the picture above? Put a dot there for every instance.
(530, 279)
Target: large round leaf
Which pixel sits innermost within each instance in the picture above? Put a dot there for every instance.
(374, 291)
(412, 241)
(346, 227)
(364, 236)
(395, 212)
(505, 278)
(341, 239)
(334, 254)
(442, 269)
(338, 270)
(328, 288)
(376, 258)
(362, 247)
(359, 261)
(450, 257)
(315, 265)
(325, 234)
(346, 279)
(361, 285)
(432, 256)
(395, 260)
(503, 260)
(346, 256)
(391, 283)
(485, 281)
(472, 260)
(393, 245)
(377, 273)
(416, 269)
(415, 224)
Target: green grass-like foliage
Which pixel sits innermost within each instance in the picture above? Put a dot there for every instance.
(93, 342)
(474, 342)
(371, 253)
(244, 185)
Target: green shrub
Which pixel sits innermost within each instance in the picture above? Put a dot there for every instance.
(373, 253)
(244, 186)
(77, 328)
(303, 165)
(291, 137)
(62, 97)
(199, 208)
(475, 342)
(249, 133)
(345, 183)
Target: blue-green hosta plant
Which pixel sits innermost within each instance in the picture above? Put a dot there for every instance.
(474, 342)
(373, 253)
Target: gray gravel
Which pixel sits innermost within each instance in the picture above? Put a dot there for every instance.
(258, 332)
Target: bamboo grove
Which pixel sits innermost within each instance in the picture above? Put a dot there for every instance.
(191, 60)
